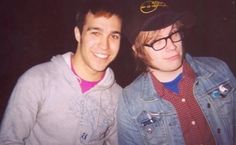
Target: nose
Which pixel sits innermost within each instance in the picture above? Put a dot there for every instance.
(170, 44)
(104, 42)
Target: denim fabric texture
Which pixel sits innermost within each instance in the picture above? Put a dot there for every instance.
(144, 118)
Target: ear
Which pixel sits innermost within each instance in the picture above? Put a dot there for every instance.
(134, 49)
(77, 34)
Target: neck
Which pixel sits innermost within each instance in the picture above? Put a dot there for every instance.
(166, 76)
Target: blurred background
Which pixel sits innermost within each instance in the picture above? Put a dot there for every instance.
(31, 32)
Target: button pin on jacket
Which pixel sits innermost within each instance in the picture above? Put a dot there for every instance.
(215, 94)
(222, 91)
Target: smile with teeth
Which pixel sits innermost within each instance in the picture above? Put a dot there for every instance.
(100, 55)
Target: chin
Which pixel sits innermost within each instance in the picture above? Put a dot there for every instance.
(101, 69)
(175, 68)
(171, 67)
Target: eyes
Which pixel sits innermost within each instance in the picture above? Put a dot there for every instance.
(112, 35)
(161, 43)
(115, 36)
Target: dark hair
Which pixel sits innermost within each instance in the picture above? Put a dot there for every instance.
(99, 8)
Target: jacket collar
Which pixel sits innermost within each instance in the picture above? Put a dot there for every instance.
(196, 65)
(148, 90)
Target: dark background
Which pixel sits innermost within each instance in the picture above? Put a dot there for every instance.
(31, 32)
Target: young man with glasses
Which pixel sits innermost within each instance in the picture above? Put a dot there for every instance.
(72, 99)
(178, 99)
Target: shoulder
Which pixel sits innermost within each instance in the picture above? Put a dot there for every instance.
(38, 71)
(210, 64)
(116, 89)
(137, 83)
(209, 61)
(135, 89)
(45, 71)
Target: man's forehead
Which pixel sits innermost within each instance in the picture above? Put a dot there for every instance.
(102, 23)
(101, 14)
(91, 16)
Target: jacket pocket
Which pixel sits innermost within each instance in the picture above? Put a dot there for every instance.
(222, 99)
(151, 126)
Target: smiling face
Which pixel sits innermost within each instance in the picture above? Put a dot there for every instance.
(98, 45)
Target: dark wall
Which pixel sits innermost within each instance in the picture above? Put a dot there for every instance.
(33, 31)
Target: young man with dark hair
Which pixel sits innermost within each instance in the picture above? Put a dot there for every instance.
(72, 99)
(178, 99)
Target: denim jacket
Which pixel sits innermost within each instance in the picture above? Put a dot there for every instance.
(144, 118)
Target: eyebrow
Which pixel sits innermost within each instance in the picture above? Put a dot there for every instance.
(94, 28)
(151, 39)
(99, 29)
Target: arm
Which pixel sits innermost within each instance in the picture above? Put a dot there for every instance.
(232, 78)
(21, 112)
(128, 133)
(234, 118)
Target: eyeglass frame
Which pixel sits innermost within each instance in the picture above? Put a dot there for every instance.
(181, 32)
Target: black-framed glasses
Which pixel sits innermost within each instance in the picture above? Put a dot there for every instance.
(161, 43)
